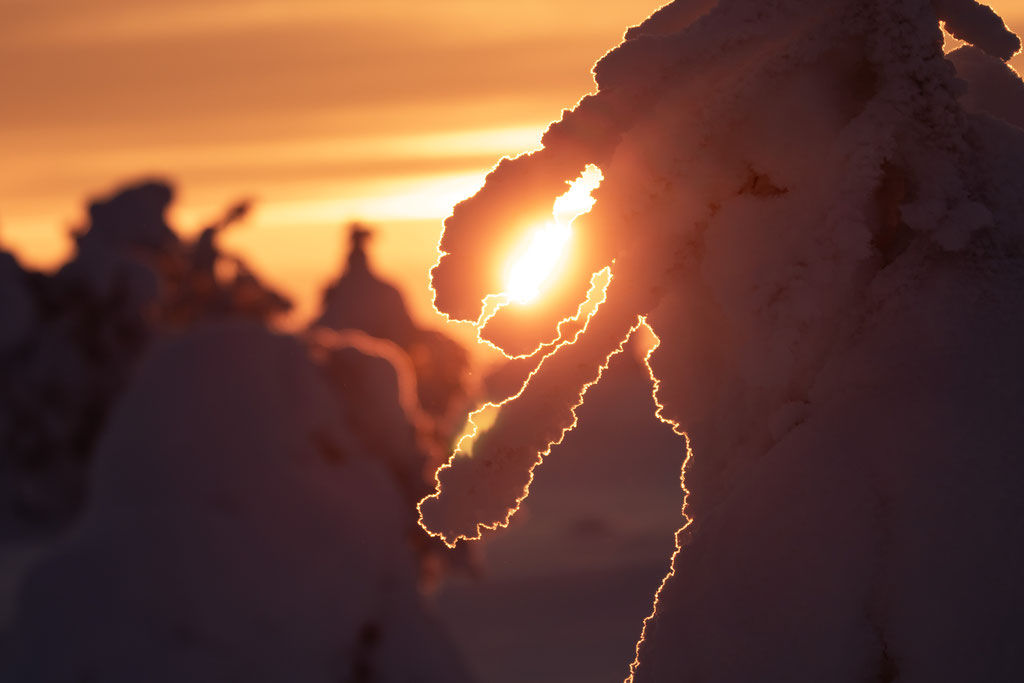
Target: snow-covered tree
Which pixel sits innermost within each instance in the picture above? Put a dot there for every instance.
(404, 387)
(823, 225)
(70, 341)
(359, 299)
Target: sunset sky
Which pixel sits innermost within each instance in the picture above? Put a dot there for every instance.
(325, 111)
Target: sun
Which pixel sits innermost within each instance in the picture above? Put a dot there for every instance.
(536, 261)
(531, 269)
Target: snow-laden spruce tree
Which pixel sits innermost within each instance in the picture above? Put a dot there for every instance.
(823, 224)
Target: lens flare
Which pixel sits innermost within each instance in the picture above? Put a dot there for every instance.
(536, 262)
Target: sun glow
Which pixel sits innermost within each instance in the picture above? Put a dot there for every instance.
(534, 264)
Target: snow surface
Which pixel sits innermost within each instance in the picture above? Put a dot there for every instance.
(828, 244)
(236, 530)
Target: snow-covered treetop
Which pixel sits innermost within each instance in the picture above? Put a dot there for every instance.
(762, 162)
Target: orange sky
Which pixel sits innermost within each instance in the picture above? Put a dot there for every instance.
(386, 111)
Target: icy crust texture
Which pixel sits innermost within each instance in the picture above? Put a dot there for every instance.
(828, 243)
(236, 531)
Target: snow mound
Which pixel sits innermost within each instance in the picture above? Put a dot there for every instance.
(236, 531)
